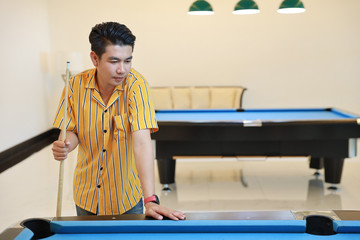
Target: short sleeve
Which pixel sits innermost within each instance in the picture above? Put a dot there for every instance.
(58, 120)
(141, 109)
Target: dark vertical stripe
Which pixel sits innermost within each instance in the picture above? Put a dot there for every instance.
(143, 105)
(149, 105)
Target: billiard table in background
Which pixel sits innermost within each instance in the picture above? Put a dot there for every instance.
(327, 136)
(337, 224)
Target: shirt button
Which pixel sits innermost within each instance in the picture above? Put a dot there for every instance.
(101, 168)
(104, 150)
(98, 186)
(105, 131)
(105, 110)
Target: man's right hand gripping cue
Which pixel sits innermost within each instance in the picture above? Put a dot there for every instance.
(62, 148)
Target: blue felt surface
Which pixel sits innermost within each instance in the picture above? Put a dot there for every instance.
(194, 229)
(188, 226)
(252, 114)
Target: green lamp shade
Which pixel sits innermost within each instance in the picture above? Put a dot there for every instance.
(291, 6)
(246, 7)
(200, 7)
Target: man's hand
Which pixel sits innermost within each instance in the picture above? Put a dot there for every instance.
(158, 212)
(61, 149)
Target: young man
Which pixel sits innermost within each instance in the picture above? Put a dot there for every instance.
(110, 117)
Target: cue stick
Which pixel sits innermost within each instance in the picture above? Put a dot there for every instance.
(62, 138)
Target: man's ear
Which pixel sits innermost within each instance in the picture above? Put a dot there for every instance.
(94, 58)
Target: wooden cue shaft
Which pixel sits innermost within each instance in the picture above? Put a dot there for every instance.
(62, 138)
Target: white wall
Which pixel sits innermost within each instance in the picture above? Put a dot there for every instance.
(301, 60)
(24, 76)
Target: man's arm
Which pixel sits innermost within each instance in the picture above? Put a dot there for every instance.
(144, 160)
(62, 148)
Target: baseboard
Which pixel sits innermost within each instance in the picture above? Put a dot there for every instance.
(16, 154)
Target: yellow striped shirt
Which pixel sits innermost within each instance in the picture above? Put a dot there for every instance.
(105, 176)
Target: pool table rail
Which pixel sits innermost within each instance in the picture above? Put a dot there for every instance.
(343, 220)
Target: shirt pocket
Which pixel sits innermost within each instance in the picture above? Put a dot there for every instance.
(122, 127)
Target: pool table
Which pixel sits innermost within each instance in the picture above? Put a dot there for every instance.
(202, 225)
(326, 135)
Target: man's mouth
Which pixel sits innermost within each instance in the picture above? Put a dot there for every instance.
(119, 78)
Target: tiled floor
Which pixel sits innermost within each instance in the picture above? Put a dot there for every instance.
(29, 189)
(274, 184)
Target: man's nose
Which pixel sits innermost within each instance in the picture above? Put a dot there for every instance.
(120, 68)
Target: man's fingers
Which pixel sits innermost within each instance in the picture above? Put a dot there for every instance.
(60, 156)
(179, 215)
(158, 211)
(60, 150)
(154, 214)
(175, 215)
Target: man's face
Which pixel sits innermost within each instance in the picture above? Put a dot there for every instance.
(114, 65)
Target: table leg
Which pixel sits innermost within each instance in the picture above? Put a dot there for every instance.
(333, 170)
(166, 168)
(316, 163)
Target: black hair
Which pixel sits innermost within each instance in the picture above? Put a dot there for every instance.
(106, 33)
